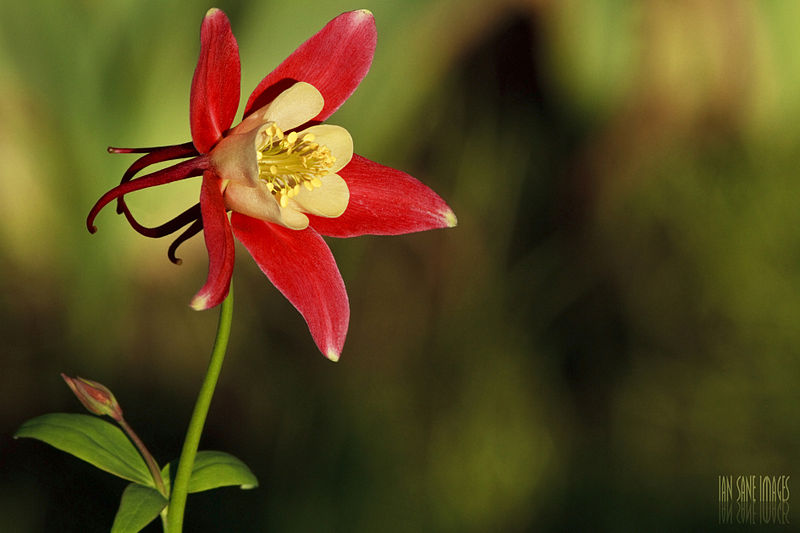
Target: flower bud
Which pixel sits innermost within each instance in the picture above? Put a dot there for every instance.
(94, 396)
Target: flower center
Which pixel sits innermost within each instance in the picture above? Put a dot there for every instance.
(287, 162)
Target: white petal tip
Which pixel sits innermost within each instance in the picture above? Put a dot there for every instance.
(364, 12)
(332, 355)
(450, 219)
(199, 303)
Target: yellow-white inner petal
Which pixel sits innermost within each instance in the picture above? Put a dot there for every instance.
(251, 201)
(338, 141)
(293, 219)
(233, 158)
(258, 203)
(329, 200)
(292, 108)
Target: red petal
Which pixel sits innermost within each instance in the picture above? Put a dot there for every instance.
(335, 60)
(384, 201)
(301, 266)
(219, 242)
(215, 86)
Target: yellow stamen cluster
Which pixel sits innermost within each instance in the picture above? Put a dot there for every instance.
(285, 162)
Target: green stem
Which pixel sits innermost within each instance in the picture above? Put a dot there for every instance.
(177, 501)
(148, 458)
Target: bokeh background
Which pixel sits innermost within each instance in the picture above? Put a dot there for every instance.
(613, 324)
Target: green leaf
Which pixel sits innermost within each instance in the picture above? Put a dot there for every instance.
(212, 470)
(137, 508)
(92, 439)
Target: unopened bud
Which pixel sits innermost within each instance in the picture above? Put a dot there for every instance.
(94, 396)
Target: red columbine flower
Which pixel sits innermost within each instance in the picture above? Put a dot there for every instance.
(287, 177)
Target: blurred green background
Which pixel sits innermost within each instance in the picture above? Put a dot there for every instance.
(613, 324)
